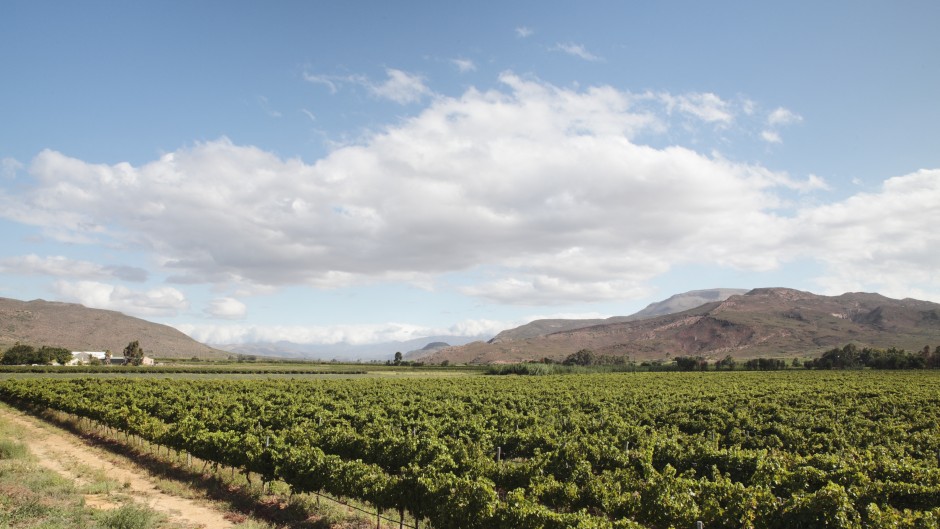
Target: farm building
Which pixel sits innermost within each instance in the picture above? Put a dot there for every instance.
(86, 357)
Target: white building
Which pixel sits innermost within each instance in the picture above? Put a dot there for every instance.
(85, 357)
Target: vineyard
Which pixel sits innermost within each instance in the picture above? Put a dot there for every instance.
(627, 450)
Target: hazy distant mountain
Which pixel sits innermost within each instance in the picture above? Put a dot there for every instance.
(763, 322)
(426, 351)
(80, 328)
(676, 303)
(686, 301)
(342, 351)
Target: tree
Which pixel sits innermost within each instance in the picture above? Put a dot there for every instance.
(48, 355)
(133, 354)
(107, 357)
(19, 354)
(584, 357)
(397, 358)
(728, 362)
(691, 363)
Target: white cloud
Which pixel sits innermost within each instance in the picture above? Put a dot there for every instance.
(705, 106)
(771, 136)
(401, 87)
(885, 242)
(544, 290)
(227, 308)
(782, 116)
(61, 266)
(576, 50)
(266, 107)
(543, 188)
(523, 32)
(464, 65)
(332, 82)
(163, 301)
(9, 167)
(335, 334)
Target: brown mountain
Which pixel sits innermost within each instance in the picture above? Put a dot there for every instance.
(80, 328)
(676, 303)
(771, 322)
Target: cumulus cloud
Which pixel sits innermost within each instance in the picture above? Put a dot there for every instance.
(544, 191)
(61, 266)
(884, 241)
(162, 301)
(576, 50)
(227, 308)
(524, 32)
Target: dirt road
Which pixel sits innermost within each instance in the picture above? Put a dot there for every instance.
(63, 452)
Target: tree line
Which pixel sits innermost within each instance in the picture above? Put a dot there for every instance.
(850, 356)
(23, 354)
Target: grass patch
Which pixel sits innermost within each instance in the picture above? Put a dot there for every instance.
(128, 516)
(10, 449)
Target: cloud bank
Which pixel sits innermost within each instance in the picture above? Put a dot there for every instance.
(546, 193)
(336, 334)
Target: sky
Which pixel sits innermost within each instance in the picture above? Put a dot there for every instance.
(359, 172)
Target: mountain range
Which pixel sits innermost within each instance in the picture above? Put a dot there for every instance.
(769, 322)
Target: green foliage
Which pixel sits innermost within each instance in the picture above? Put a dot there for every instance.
(728, 362)
(851, 356)
(134, 354)
(691, 363)
(828, 507)
(22, 354)
(10, 449)
(584, 357)
(765, 364)
(128, 516)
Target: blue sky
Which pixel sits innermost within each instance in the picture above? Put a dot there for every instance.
(367, 171)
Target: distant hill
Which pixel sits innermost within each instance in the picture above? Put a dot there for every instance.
(676, 303)
(80, 328)
(426, 351)
(773, 322)
(343, 352)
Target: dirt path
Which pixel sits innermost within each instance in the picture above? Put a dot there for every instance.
(60, 452)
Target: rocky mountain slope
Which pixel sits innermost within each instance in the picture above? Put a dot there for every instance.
(676, 303)
(80, 328)
(775, 322)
